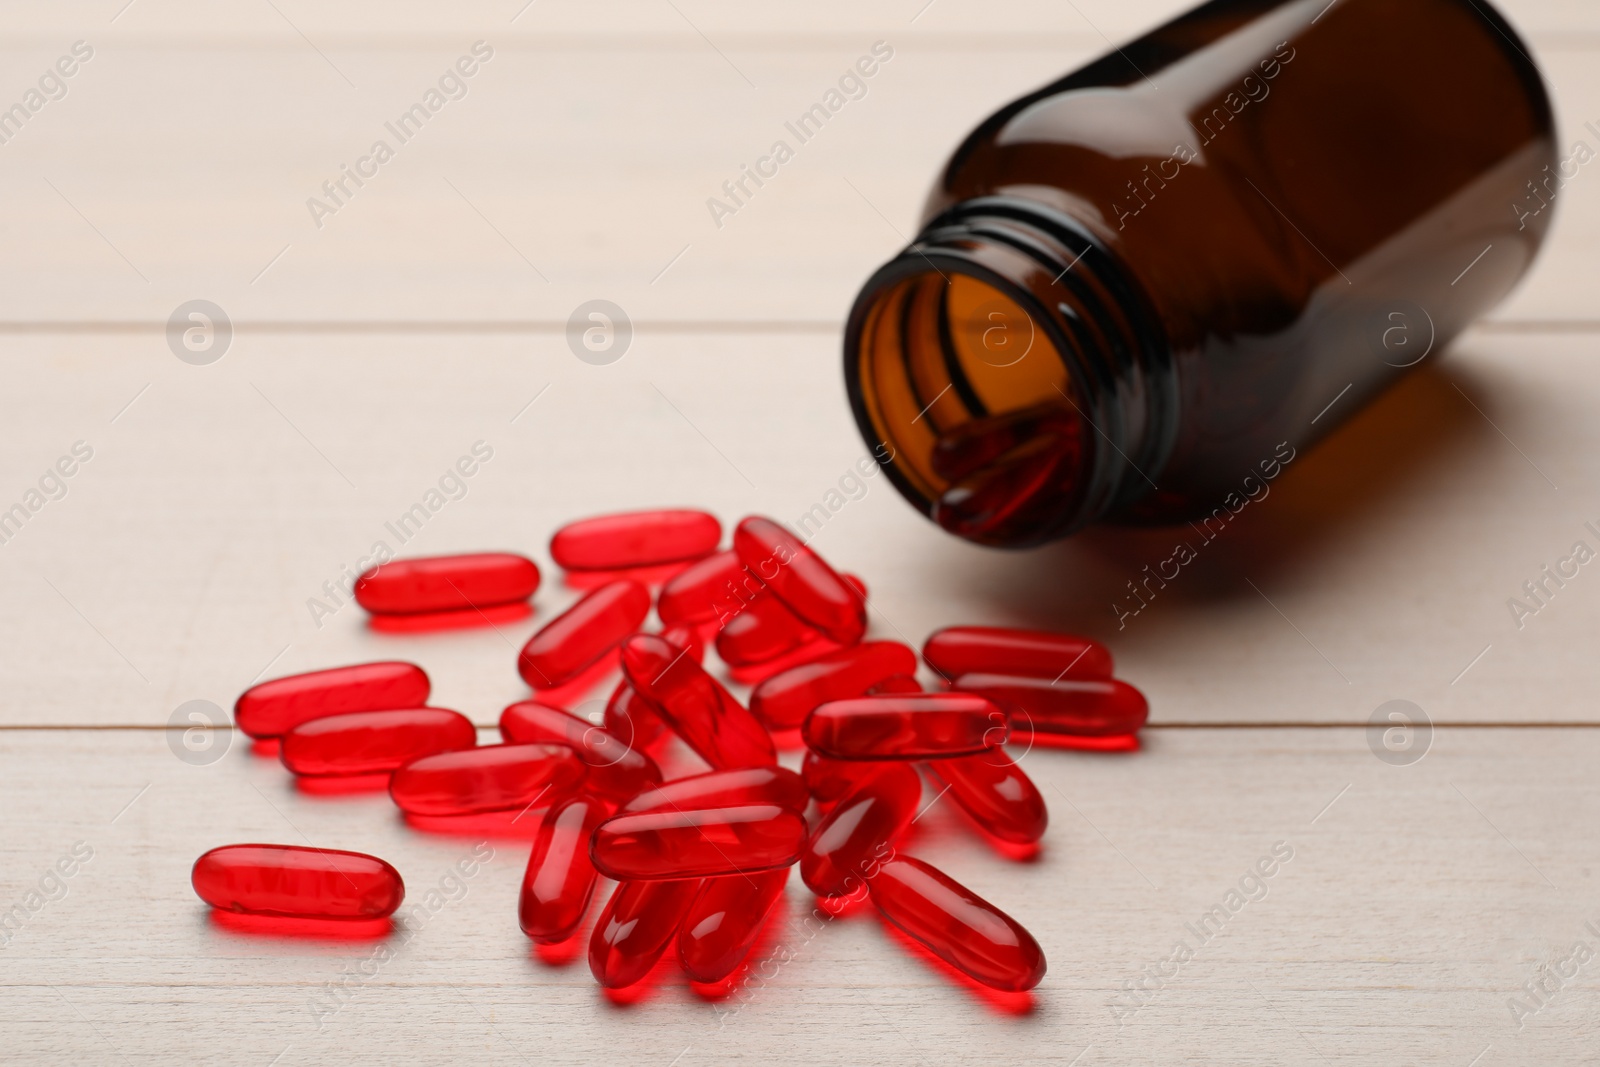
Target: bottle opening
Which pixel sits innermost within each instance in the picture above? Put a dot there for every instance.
(977, 408)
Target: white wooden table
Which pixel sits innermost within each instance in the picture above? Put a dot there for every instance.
(428, 313)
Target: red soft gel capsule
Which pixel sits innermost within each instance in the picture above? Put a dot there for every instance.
(635, 928)
(273, 708)
(706, 591)
(687, 638)
(373, 742)
(957, 925)
(616, 769)
(635, 539)
(828, 779)
(762, 631)
(784, 700)
(294, 882)
(910, 727)
(852, 839)
(447, 583)
(560, 877)
(489, 778)
(579, 636)
(1091, 708)
(726, 789)
(717, 727)
(995, 792)
(629, 719)
(723, 922)
(698, 842)
(900, 683)
(961, 650)
(801, 579)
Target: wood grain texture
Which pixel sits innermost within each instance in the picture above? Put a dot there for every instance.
(181, 162)
(1417, 901)
(190, 554)
(426, 315)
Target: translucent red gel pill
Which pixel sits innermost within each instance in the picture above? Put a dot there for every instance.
(995, 792)
(763, 630)
(616, 769)
(296, 882)
(579, 636)
(489, 778)
(960, 650)
(723, 922)
(957, 925)
(629, 719)
(801, 579)
(849, 842)
(726, 789)
(717, 727)
(687, 638)
(560, 877)
(784, 700)
(829, 779)
(635, 539)
(697, 842)
(273, 708)
(1092, 708)
(912, 727)
(373, 742)
(446, 583)
(635, 928)
(706, 590)
(900, 683)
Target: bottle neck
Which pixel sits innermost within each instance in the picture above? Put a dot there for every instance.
(1012, 378)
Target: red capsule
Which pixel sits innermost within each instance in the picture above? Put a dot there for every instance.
(997, 794)
(560, 877)
(957, 925)
(635, 929)
(616, 769)
(373, 742)
(855, 583)
(763, 631)
(854, 837)
(629, 718)
(1092, 708)
(446, 583)
(899, 684)
(706, 591)
(697, 842)
(724, 921)
(635, 539)
(801, 579)
(726, 789)
(490, 778)
(695, 705)
(579, 636)
(930, 726)
(784, 700)
(276, 707)
(829, 779)
(960, 650)
(687, 638)
(296, 882)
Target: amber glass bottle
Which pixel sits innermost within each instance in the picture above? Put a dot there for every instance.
(1141, 290)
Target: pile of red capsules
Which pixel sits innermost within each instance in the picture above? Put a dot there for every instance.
(702, 858)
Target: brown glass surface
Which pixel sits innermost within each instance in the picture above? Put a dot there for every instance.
(1136, 284)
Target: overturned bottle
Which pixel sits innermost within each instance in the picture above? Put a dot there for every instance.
(1139, 291)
